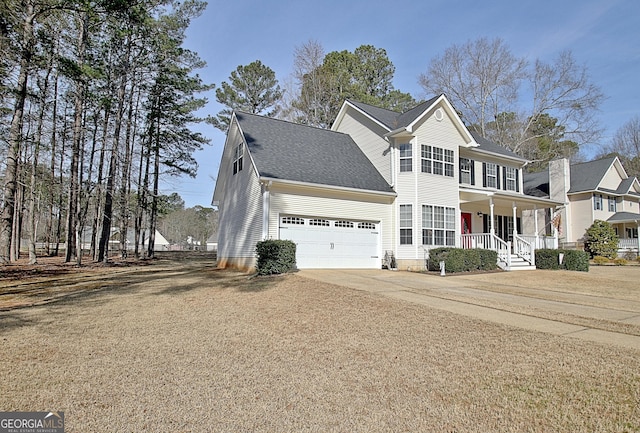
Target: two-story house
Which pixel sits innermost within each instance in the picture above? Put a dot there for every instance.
(379, 184)
(594, 190)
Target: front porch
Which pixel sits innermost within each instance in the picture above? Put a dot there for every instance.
(494, 220)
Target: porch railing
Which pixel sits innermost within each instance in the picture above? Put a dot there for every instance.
(489, 242)
(525, 249)
(628, 244)
(541, 242)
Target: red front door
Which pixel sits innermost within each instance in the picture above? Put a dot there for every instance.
(465, 223)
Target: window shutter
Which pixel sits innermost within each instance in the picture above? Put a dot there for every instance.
(473, 171)
(484, 174)
(504, 178)
(498, 176)
(518, 183)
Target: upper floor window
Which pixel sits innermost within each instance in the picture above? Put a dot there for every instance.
(597, 202)
(436, 160)
(406, 157)
(466, 171)
(490, 175)
(612, 204)
(510, 179)
(406, 224)
(237, 158)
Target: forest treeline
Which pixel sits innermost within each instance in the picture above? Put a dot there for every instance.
(98, 100)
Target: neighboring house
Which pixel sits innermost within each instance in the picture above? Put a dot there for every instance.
(595, 190)
(379, 184)
(212, 242)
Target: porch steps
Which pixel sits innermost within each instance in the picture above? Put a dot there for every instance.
(520, 264)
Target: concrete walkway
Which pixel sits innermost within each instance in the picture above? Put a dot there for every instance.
(519, 310)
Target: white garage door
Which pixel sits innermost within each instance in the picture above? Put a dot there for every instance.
(333, 243)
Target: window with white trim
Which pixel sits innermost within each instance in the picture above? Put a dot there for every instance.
(292, 220)
(406, 157)
(490, 175)
(406, 224)
(612, 204)
(510, 179)
(237, 158)
(466, 171)
(438, 225)
(346, 224)
(436, 160)
(597, 202)
(319, 222)
(367, 226)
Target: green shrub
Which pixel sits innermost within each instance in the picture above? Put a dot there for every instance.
(547, 259)
(488, 259)
(601, 240)
(576, 260)
(572, 260)
(462, 260)
(600, 260)
(275, 256)
(620, 261)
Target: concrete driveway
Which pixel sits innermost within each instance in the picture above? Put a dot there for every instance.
(599, 319)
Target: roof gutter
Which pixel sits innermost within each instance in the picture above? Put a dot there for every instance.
(271, 180)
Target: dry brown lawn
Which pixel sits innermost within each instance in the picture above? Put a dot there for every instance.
(176, 345)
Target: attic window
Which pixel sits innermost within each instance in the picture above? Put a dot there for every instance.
(237, 158)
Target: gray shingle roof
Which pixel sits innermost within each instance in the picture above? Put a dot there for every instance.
(490, 146)
(290, 151)
(624, 217)
(586, 176)
(536, 184)
(394, 120)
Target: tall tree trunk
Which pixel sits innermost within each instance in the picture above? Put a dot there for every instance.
(52, 169)
(154, 198)
(108, 199)
(33, 218)
(72, 203)
(15, 138)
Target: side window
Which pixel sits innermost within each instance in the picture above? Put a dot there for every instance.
(237, 158)
(597, 202)
(406, 157)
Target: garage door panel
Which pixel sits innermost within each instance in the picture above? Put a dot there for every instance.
(323, 243)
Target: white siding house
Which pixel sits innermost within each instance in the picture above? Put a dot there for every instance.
(379, 184)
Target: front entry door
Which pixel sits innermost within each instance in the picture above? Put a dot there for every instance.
(465, 223)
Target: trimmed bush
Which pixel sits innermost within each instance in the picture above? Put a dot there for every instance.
(462, 260)
(576, 260)
(547, 259)
(488, 259)
(275, 257)
(620, 261)
(601, 240)
(573, 260)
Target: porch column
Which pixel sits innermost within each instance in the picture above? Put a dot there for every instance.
(515, 220)
(492, 229)
(535, 223)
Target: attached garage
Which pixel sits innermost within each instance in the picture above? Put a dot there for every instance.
(333, 243)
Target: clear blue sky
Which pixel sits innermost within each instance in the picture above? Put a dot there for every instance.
(604, 35)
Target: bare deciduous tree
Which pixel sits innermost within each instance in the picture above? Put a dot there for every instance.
(503, 97)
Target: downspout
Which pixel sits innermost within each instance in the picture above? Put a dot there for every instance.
(266, 202)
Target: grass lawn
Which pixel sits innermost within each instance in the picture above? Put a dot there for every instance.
(176, 345)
